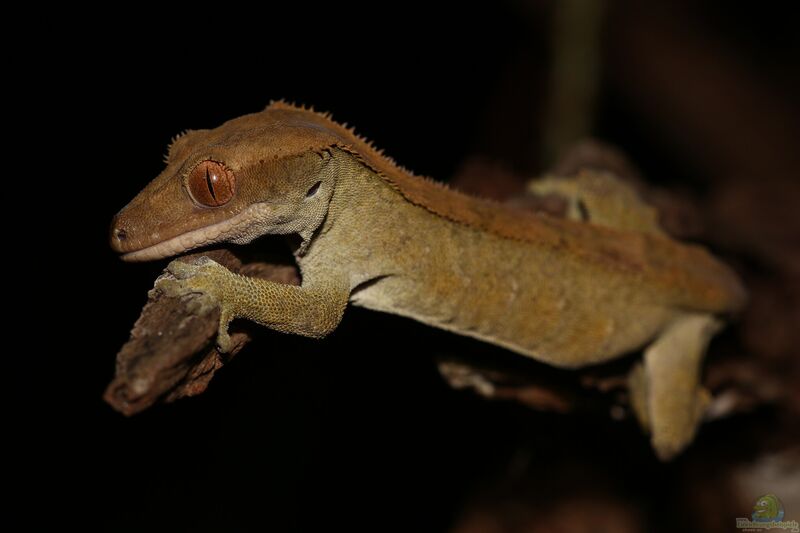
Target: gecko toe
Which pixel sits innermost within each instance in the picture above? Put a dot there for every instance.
(181, 269)
(172, 287)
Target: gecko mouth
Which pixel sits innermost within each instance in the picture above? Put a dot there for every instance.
(238, 230)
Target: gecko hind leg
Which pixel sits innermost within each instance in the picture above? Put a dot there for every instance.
(666, 394)
(600, 198)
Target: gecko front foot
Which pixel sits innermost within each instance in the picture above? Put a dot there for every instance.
(213, 282)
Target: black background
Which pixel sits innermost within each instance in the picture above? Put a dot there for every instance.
(357, 431)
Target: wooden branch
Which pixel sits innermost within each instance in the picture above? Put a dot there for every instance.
(172, 351)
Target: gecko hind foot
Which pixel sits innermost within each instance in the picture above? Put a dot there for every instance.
(666, 394)
(600, 198)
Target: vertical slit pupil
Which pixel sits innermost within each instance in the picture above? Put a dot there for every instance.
(210, 185)
(584, 211)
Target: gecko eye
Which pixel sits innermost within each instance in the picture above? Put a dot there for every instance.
(211, 184)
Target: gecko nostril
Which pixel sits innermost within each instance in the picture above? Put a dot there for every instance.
(118, 236)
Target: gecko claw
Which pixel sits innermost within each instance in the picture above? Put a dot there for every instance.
(224, 342)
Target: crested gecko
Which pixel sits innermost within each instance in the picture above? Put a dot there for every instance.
(570, 292)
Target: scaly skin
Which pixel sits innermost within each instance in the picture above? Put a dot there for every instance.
(565, 292)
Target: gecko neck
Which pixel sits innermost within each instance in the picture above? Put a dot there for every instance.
(361, 214)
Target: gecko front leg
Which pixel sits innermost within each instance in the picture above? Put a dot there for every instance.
(313, 309)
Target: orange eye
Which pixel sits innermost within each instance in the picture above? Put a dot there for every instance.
(211, 184)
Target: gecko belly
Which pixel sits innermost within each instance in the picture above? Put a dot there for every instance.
(557, 332)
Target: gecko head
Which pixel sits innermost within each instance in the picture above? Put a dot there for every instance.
(266, 173)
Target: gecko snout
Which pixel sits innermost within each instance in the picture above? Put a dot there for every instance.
(118, 235)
